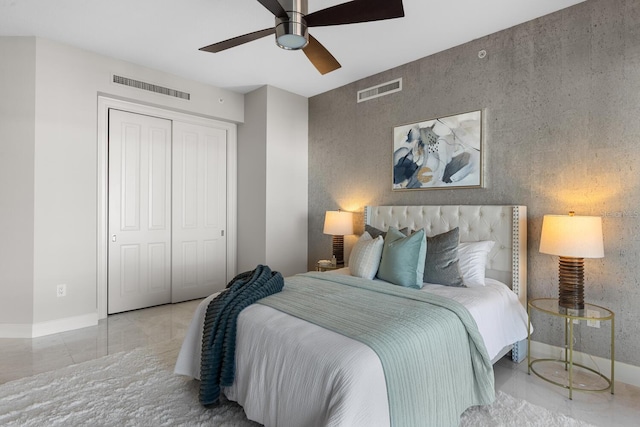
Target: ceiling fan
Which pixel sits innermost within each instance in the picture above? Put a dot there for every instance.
(292, 21)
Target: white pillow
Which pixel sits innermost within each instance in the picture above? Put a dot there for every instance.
(365, 256)
(472, 260)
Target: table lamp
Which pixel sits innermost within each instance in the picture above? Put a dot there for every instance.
(338, 224)
(573, 238)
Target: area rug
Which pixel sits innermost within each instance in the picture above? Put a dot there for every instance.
(138, 388)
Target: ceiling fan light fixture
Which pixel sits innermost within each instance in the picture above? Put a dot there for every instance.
(291, 42)
(292, 19)
(292, 34)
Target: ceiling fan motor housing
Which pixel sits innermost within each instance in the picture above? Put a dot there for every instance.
(291, 32)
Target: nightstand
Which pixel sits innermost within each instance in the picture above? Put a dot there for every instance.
(591, 313)
(326, 267)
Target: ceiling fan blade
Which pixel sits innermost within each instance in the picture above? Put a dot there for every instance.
(236, 41)
(320, 56)
(274, 7)
(356, 11)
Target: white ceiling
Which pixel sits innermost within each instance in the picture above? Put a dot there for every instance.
(166, 35)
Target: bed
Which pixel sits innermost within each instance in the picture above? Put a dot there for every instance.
(290, 372)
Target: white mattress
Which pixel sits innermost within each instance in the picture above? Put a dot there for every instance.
(292, 373)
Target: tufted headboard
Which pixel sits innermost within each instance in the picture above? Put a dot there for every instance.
(506, 225)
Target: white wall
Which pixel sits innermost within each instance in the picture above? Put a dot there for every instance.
(273, 181)
(17, 114)
(287, 180)
(64, 173)
(252, 190)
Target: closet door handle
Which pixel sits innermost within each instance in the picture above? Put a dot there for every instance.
(113, 238)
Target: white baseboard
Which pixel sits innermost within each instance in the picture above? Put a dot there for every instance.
(625, 373)
(8, 330)
(63, 325)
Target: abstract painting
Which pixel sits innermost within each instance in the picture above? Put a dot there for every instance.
(445, 152)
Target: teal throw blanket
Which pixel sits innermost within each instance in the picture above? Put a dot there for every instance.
(217, 365)
(434, 359)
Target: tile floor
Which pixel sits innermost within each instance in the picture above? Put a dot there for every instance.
(598, 408)
(24, 357)
(125, 331)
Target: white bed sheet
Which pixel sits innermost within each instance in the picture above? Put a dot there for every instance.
(500, 317)
(290, 372)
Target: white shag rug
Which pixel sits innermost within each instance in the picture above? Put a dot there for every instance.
(138, 388)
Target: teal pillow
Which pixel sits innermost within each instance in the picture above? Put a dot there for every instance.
(403, 258)
(441, 266)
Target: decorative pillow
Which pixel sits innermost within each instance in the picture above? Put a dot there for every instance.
(403, 258)
(441, 265)
(472, 259)
(365, 256)
(375, 232)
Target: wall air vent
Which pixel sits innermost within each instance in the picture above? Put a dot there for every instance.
(151, 87)
(380, 90)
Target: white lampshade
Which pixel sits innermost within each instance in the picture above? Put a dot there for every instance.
(338, 223)
(572, 236)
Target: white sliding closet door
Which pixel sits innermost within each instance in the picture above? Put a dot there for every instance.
(139, 271)
(199, 211)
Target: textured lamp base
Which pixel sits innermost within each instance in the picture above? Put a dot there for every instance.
(571, 283)
(338, 250)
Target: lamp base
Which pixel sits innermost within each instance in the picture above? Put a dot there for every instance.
(338, 250)
(571, 283)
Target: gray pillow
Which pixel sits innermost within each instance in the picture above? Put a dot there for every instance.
(441, 266)
(375, 232)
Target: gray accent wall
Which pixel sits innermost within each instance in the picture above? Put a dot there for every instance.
(561, 96)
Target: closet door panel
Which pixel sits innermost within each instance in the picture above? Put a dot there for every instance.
(139, 252)
(199, 211)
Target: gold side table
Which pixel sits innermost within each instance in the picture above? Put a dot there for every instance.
(550, 306)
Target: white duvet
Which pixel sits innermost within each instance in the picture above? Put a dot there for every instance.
(293, 373)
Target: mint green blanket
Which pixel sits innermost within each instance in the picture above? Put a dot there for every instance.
(434, 359)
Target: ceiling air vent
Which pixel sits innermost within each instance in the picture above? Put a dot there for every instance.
(151, 87)
(380, 90)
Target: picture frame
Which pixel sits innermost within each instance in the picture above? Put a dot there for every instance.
(440, 153)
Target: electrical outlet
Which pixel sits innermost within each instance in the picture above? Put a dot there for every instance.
(61, 290)
(593, 323)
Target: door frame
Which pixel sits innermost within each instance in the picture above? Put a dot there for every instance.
(104, 104)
